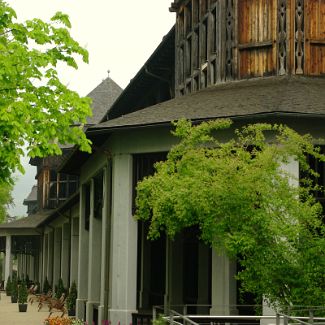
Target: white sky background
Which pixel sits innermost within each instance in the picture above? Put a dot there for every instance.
(120, 35)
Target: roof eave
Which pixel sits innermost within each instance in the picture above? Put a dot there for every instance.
(102, 130)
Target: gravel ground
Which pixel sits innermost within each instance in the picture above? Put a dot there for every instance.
(9, 314)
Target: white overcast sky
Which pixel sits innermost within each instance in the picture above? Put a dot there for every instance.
(119, 35)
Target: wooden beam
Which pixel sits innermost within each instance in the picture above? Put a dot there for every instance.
(253, 45)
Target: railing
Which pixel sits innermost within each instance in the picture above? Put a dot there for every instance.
(175, 318)
(302, 320)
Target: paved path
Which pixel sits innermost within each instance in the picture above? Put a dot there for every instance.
(9, 314)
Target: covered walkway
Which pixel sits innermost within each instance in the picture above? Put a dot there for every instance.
(9, 314)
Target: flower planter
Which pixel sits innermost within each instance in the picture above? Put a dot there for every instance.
(71, 312)
(22, 308)
(14, 299)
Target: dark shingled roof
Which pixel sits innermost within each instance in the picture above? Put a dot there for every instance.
(161, 64)
(288, 95)
(32, 221)
(103, 97)
(32, 196)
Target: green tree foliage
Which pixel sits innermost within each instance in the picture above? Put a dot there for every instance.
(5, 199)
(35, 107)
(233, 185)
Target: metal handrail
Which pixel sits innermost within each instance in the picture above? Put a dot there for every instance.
(174, 313)
(173, 318)
(311, 319)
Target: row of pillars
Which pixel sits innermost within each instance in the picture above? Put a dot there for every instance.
(26, 264)
(107, 277)
(60, 253)
(53, 261)
(108, 250)
(103, 259)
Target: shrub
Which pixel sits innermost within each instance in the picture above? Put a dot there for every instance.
(160, 320)
(46, 286)
(72, 297)
(14, 289)
(22, 293)
(59, 289)
(27, 280)
(8, 286)
(62, 321)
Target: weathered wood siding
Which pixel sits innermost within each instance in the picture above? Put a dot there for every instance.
(256, 38)
(221, 40)
(315, 37)
(197, 45)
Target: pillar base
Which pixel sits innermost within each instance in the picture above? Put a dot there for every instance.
(122, 317)
(268, 311)
(81, 309)
(90, 306)
(101, 316)
(89, 313)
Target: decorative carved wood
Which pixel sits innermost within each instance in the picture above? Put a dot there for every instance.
(229, 38)
(299, 36)
(282, 37)
(218, 40)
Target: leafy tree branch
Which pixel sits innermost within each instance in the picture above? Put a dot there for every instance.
(234, 186)
(35, 107)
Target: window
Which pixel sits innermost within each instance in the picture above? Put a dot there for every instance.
(319, 168)
(188, 17)
(61, 187)
(197, 27)
(143, 165)
(204, 42)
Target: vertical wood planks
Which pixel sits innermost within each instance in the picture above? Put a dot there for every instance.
(220, 40)
(315, 37)
(256, 38)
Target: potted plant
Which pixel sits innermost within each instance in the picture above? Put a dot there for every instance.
(27, 280)
(22, 297)
(59, 289)
(71, 299)
(8, 286)
(14, 290)
(46, 286)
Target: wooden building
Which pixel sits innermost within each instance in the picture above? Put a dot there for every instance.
(248, 60)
